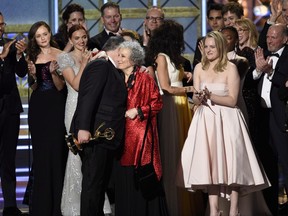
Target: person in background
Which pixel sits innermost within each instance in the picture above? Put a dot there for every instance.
(216, 23)
(232, 11)
(12, 62)
(231, 35)
(253, 203)
(154, 18)
(130, 35)
(272, 74)
(174, 119)
(111, 18)
(279, 14)
(143, 104)
(218, 155)
(46, 121)
(74, 14)
(248, 37)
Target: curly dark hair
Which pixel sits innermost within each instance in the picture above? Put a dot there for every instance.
(168, 39)
(33, 49)
(62, 30)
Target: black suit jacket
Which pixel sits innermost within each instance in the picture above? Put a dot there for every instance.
(101, 98)
(98, 40)
(262, 37)
(9, 94)
(278, 80)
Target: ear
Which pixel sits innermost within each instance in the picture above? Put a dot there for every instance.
(71, 42)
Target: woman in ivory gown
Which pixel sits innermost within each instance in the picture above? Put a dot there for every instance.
(72, 65)
(218, 155)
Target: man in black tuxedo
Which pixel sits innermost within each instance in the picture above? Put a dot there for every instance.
(102, 98)
(111, 19)
(272, 72)
(12, 62)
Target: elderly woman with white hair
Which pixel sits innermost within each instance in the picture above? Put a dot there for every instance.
(143, 104)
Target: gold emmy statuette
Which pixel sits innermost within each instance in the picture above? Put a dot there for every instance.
(75, 147)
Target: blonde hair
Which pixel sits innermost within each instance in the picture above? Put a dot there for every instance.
(248, 25)
(220, 43)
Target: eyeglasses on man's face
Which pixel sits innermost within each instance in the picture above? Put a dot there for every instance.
(155, 19)
(3, 24)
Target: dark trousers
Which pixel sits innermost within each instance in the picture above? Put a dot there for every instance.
(268, 157)
(96, 169)
(9, 131)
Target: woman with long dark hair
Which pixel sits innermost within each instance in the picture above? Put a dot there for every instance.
(164, 49)
(46, 121)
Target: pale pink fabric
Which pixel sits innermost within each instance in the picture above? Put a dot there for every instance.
(218, 150)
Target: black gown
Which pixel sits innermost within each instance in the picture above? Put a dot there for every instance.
(46, 124)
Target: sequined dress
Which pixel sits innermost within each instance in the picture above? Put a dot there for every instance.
(70, 203)
(46, 124)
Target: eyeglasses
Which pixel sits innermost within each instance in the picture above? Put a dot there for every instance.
(155, 19)
(240, 30)
(2, 24)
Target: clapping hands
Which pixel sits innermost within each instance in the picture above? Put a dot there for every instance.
(203, 95)
(6, 49)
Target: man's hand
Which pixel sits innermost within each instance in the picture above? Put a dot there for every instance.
(6, 49)
(262, 64)
(83, 136)
(146, 35)
(20, 46)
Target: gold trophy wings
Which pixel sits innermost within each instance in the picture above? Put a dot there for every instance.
(75, 147)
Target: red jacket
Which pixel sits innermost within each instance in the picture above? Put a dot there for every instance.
(144, 94)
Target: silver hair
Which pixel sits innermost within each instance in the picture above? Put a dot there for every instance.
(137, 52)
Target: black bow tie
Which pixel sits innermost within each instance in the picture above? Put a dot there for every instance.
(275, 54)
(111, 34)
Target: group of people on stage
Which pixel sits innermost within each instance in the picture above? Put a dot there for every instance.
(123, 99)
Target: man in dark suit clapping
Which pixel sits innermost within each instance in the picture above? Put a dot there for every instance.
(12, 62)
(101, 99)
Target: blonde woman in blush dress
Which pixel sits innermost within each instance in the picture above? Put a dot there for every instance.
(218, 156)
(72, 65)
